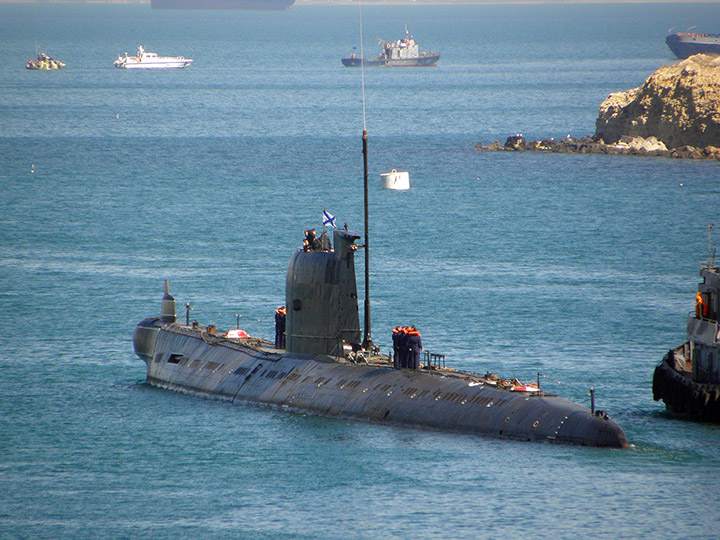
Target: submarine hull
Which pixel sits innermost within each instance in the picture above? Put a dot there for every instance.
(196, 361)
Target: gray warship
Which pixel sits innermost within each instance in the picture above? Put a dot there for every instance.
(687, 379)
(403, 52)
(322, 362)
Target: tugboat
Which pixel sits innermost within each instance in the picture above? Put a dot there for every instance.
(150, 60)
(688, 378)
(685, 44)
(44, 62)
(399, 53)
(323, 363)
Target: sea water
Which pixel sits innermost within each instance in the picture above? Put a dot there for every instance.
(579, 268)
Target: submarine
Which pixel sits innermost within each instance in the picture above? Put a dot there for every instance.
(323, 363)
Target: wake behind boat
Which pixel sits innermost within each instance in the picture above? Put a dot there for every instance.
(150, 60)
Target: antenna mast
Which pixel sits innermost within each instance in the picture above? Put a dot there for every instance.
(711, 258)
(367, 333)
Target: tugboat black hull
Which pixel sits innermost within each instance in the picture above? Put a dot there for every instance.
(682, 396)
(688, 378)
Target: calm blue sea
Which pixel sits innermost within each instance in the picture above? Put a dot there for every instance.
(582, 268)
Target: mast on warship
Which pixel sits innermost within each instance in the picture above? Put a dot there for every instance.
(367, 333)
(367, 343)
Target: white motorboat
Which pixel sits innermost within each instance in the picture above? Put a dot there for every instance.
(150, 60)
(395, 179)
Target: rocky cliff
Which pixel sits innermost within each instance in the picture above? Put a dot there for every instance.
(679, 104)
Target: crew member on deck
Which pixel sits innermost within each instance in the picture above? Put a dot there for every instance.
(396, 347)
(280, 314)
(414, 346)
(701, 309)
(400, 338)
(311, 242)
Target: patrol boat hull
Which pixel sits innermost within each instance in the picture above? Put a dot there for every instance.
(324, 370)
(424, 60)
(150, 60)
(403, 52)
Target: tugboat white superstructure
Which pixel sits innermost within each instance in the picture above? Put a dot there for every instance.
(150, 60)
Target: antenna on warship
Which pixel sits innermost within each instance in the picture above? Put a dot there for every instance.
(711, 255)
(367, 333)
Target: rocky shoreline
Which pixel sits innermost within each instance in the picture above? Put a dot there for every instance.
(674, 114)
(633, 146)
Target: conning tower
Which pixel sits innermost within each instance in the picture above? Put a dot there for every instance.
(321, 298)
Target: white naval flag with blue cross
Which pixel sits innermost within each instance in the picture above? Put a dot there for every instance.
(328, 219)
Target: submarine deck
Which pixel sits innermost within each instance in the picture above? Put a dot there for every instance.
(266, 350)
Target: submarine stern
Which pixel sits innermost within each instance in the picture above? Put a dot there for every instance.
(144, 338)
(146, 331)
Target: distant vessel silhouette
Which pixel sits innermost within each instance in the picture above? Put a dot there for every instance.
(150, 60)
(222, 4)
(403, 52)
(43, 62)
(685, 44)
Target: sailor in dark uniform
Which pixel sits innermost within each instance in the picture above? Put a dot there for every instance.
(280, 314)
(414, 347)
(396, 346)
(403, 347)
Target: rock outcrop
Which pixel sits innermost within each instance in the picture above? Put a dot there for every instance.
(634, 146)
(679, 104)
(676, 114)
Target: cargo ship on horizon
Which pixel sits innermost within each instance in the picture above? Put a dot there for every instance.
(685, 44)
(222, 4)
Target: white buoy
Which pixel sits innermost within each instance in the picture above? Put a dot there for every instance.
(395, 180)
